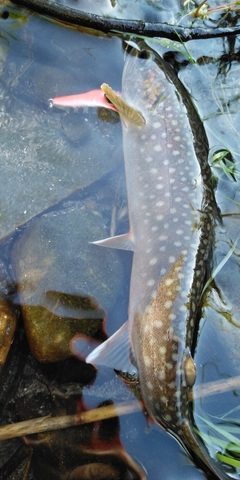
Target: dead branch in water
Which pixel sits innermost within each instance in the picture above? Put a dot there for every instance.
(137, 27)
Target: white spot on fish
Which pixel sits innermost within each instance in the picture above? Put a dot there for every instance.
(171, 259)
(146, 328)
(168, 304)
(160, 203)
(149, 159)
(162, 350)
(147, 361)
(154, 171)
(156, 125)
(153, 261)
(162, 238)
(150, 385)
(151, 282)
(157, 148)
(163, 399)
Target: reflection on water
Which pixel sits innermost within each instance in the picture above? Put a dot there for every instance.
(46, 156)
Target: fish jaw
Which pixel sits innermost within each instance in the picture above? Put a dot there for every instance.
(94, 98)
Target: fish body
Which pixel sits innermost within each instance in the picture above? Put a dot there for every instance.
(165, 194)
(172, 215)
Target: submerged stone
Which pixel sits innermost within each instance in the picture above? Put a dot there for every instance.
(8, 323)
(65, 283)
(45, 163)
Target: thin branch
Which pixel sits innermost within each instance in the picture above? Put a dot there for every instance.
(44, 424)
(214, 388)
(106, 24)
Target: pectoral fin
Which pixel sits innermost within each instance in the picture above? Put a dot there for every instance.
(122, 242)
(114, 352)
(189, 369)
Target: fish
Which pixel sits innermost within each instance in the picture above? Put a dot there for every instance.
(172, 215)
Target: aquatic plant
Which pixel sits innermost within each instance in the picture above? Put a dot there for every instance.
(203, 11)
(223, 437)
(223, 160)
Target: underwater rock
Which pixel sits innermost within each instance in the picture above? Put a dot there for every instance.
(93, 451)
(47, 154)
(44, 165)
(8, 323)
(65, 283)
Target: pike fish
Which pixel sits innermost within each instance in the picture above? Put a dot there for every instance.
(172, 215)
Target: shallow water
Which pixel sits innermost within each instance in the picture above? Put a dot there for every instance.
(57, 164)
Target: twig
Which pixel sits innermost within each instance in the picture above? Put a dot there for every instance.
(106, 24)
(214, 388)
(43, 424)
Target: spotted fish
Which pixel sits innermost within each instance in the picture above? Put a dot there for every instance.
(172, 215)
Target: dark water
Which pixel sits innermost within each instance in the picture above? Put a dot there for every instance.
(62, 185)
